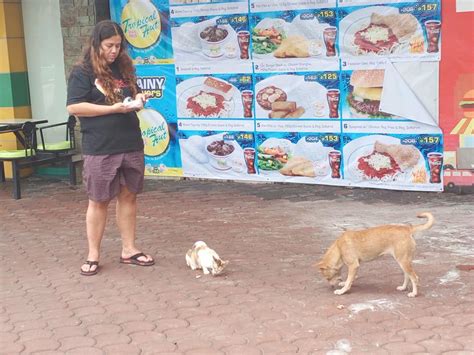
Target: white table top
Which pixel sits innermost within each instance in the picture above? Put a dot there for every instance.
(20, 121)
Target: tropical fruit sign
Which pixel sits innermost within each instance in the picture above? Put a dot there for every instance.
(146, 27)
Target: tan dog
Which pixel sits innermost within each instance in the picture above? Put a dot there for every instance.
(355, 246)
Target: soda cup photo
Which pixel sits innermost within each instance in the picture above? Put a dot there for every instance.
(243, 37)
(335, 163)
(247, 102)
(333, 96)
(249, 156)
(435, 162)
(329, 36)
(433, 32)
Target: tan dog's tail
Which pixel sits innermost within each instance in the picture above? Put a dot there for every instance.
(427, 225)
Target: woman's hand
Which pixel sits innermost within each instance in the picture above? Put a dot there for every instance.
(120, 107)
(143, 97)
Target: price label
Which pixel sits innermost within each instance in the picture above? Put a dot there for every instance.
(328, 76)
(238, 19)
(222, 21)
(246, 79)
(307, 16)
(324, 76)
(427, 7)
(329, 138)
(312, 139)
(245, 136)
(408, 141)
(326, 14)
(428, 140)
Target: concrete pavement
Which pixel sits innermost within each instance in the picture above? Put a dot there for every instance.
(270, 300)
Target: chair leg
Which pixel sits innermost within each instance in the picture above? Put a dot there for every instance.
(2, 172)
(72, 172)
(16, 180)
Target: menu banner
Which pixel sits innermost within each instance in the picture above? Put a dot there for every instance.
(337, 92)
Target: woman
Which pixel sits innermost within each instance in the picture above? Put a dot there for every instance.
(111, 140)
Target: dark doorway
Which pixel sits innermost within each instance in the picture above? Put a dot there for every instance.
(102, 10)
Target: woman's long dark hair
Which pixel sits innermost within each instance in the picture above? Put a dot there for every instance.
(93, 60)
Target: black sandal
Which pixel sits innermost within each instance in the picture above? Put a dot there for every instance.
(133, 260)
(90, 272)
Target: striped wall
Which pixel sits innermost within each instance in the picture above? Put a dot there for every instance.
(14, 92)
(14, 89)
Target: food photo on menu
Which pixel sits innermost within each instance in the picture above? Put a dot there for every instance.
(300, 157)
(390, 30)
(387, 160)
(223, 96)
(207, 38)
(295, 96)
(294, 34)
(400, 91)
(363, 92)
(218, 154)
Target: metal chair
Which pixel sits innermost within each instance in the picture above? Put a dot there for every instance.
(17, 157)
(60, 146)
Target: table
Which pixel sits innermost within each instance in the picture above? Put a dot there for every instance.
(15, 123)
(18, 122)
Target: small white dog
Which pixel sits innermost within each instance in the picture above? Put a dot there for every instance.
(200, 256)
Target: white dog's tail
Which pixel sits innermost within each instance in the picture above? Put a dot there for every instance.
(427, 225)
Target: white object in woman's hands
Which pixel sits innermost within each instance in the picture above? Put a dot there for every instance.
(133, 104)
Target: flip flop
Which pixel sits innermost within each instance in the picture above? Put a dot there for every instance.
(133, 260)
(93, 272)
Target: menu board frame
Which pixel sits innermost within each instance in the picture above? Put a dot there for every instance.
(243, 73)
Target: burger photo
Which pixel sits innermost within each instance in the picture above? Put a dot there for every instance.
(365, 92)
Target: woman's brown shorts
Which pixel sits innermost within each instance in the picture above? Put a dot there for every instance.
(104, 174)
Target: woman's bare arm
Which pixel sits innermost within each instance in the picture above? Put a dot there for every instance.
(86, 109)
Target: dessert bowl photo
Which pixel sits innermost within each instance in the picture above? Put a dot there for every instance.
(219, 153)
(213, 39)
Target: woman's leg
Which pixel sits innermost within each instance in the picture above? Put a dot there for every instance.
(96, 219)
(126, 221)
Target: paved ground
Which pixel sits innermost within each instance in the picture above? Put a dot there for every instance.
(270, 300)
